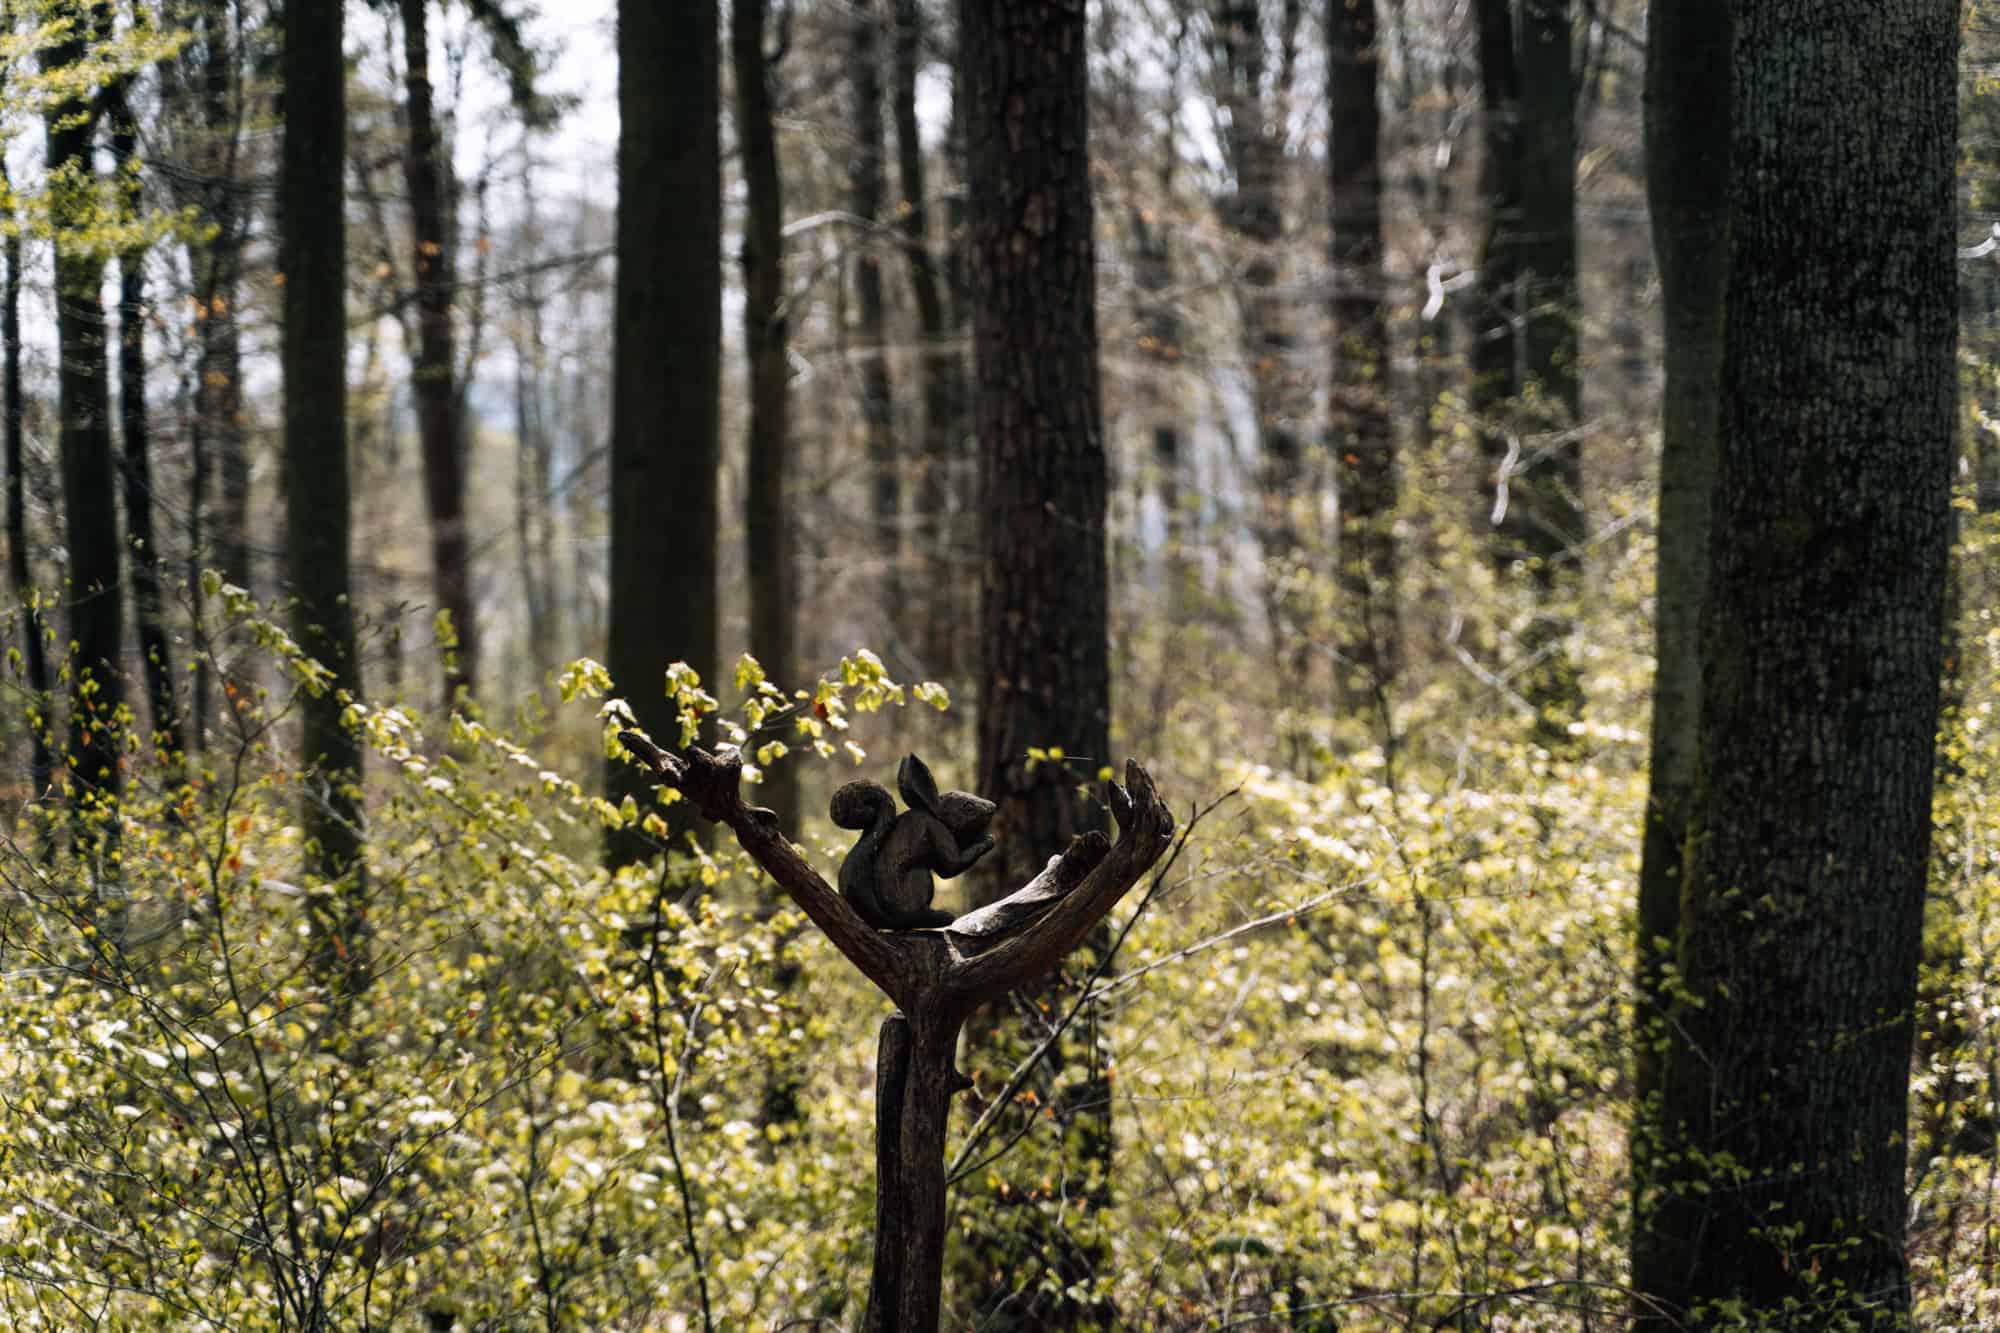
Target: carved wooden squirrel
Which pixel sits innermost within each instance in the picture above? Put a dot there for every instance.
(887, 875)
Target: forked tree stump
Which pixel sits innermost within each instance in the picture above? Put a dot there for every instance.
(935, 978)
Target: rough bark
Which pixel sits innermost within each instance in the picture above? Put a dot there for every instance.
(1045, 681)
(20, 580)
(941, 471)
(89, 468)
(1782, 1131)
(1687, 152)
(148, 609)
(312, 255)
(871, 332)
(935, 978)
(1363, 440)
(440, 419)
(764, 335)
(666, 369)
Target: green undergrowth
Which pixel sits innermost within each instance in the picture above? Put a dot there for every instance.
(1364, 1037)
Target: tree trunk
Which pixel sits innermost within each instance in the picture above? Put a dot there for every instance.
(218, 442)
(772, 602)
(666, 367)
(940, 468)
(865, 188)
(1525, 386)
(148, 609)
(89, 472)
(915, 1065)
(440, 421)
(312, 255)
(1045, 681)
(1255, 148)
(533, 519)
(1782, 1131)
(1687, 152)
(34, 649)
(1363, 439)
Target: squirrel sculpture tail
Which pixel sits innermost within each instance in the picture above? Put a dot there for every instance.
(868, 807)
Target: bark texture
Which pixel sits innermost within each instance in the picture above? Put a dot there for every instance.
(440, 417)
(1045, 682)
(1363, 440)
(1780, 1181)
(764, 333)
(666, 368)
(312, 256)
(89, 468)
(1687, 152)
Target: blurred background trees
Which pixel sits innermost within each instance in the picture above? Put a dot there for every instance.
(1286, 393)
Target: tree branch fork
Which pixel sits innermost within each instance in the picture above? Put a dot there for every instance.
(940, 973)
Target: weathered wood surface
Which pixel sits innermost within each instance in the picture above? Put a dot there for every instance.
(935, 978)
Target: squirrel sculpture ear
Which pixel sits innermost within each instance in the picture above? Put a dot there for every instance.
(919, 788)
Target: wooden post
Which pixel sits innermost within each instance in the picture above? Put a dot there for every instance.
(935, 978)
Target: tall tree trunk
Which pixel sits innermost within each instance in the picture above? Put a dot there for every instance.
(219, 445)
(667, 367)
(312, 255)
(1045, 681)
(148, 609)
(1545, 501)
(1363, 441)
(1254, 210)
(942, 632)
(1687, 153)
(1525, 386)
(440, 420)
(89, 472)
(1782, 1132)
(20, 581)
(865, 189)
(768, 519)
(534, 463)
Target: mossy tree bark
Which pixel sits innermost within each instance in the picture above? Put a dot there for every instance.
(1046, 681)
(312, 256)
(1687, 153)
(666, 368)
(1779, 1179)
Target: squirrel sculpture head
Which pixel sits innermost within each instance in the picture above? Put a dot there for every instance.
(966, 815)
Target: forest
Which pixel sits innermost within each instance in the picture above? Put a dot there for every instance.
(1000, 665)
